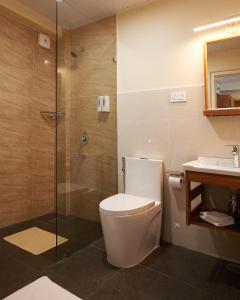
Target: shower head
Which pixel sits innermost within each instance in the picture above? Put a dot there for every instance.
(76, 52)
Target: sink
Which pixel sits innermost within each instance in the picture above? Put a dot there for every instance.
(214, 165)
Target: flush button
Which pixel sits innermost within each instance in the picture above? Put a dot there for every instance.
(178, 96)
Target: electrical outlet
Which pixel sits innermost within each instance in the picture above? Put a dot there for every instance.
(177, 225)
(178, 96)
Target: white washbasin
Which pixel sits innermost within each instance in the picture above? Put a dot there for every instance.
(215, 165)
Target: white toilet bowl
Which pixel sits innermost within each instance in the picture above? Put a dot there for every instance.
(132, 221)
(131, 228)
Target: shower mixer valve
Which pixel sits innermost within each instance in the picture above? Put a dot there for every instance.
(84, 138)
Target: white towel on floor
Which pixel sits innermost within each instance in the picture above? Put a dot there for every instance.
(42, 289)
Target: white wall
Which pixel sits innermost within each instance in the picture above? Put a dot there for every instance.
(157, 47)
(157, 53)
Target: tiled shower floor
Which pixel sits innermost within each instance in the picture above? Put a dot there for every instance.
(80, 233)
(170, 273)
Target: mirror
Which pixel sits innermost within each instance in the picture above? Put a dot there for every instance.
(222, 76)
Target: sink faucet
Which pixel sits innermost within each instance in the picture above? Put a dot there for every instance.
(235, 152)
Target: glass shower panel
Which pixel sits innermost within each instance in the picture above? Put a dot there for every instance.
(86, 134)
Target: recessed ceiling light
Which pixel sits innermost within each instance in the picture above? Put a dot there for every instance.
(218, 24)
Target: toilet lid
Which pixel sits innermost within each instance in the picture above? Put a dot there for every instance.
(125, 204)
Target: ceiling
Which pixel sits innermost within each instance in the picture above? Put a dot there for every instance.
(75, 13)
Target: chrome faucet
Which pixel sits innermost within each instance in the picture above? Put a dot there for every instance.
(235, 152)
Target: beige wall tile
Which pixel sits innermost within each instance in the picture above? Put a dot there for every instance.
(14, 81)
(42, 70)
(15, 132)
(15, 160)
(149, 126)
(27, 149)
(42, 195)
(15, 108)
(16, 198)
(43, 159)
(92, 74)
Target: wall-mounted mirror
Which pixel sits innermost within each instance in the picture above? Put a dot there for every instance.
(222, 77)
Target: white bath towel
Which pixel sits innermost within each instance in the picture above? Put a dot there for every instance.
(42, 289)
(216, 218)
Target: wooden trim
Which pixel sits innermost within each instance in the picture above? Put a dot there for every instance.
(192, 217)
(188, 201)
(190, 196)
(223, 38)
(206, 77)
(231, 229)
(197, 191)
(215, 179)
(221, 112)
(196, 211)
(215, 112)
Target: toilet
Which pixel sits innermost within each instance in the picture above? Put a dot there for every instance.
(132, 221)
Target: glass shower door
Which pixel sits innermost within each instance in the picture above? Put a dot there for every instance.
(86, 133)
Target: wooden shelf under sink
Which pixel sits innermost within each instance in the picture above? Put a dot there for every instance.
(199, 222)
(192, 215)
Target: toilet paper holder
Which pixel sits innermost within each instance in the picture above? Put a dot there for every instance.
(175, 174)
(176, 179)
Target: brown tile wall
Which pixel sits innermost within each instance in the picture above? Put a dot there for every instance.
(93, 176)
(27, 86)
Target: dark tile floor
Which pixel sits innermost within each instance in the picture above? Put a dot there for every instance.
(80, 233)
(170, 273)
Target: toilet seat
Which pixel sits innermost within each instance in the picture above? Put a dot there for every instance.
(125, 204)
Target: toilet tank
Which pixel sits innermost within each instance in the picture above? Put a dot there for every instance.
(143, 177)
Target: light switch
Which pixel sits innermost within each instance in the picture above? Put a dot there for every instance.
(178, 96)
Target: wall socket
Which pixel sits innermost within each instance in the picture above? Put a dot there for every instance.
(177, 225)
(178, 96)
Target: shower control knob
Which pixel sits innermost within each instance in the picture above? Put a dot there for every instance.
(84, 137)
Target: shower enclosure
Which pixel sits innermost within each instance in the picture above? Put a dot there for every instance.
(58, 148)
(86, 135)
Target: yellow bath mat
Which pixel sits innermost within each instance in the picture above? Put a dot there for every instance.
(35, 240)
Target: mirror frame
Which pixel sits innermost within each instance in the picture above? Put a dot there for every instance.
(209, 112)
